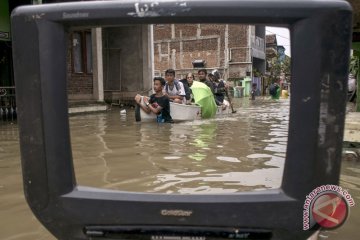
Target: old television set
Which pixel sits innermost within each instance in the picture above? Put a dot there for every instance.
(320, 39)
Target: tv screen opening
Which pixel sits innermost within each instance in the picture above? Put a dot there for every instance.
(234, 151)
(241, 168)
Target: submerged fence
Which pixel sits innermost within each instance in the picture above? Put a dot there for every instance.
(8, 111)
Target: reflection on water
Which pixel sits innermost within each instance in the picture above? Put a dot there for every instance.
(240, 152)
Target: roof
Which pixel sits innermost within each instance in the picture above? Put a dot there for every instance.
(271, 39)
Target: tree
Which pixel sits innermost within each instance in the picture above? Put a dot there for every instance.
(278, 68)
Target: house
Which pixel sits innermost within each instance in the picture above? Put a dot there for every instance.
(277, 63)
(236, 50)
(110, 63)
(271, 46)
(233, 49)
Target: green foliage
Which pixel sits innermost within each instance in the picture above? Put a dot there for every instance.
(257, 73)
(286, 66)
(277, 67)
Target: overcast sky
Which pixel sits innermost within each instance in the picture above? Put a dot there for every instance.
(282, 37)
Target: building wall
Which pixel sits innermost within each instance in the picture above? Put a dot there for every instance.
(178, 45)
(121, 53)
(80, 84)
(127, 61)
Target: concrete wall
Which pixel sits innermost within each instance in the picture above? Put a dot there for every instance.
(259, 64)
(126, 61)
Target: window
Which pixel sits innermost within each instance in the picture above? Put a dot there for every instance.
(81, 52)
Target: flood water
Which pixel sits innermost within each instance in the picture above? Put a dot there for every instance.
(241, 152)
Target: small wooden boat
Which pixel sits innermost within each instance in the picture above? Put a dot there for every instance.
(178, 112)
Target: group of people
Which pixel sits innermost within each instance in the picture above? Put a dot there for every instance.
(179, 91)
(276, 91)
(216, 84)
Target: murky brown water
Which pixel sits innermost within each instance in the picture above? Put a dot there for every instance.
(242, 152)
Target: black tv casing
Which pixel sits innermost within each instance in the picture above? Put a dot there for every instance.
(320, 47)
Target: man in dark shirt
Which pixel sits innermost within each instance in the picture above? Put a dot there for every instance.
(202, 73)
(158, 103)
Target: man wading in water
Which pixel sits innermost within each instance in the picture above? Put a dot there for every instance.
(157, 103)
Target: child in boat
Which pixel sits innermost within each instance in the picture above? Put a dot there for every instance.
(174, 89)
(157, 103)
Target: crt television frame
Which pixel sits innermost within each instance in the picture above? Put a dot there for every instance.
(320, 40)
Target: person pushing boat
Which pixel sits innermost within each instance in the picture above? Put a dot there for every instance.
(157, 103)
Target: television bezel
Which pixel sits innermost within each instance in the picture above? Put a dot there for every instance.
(320, 46)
